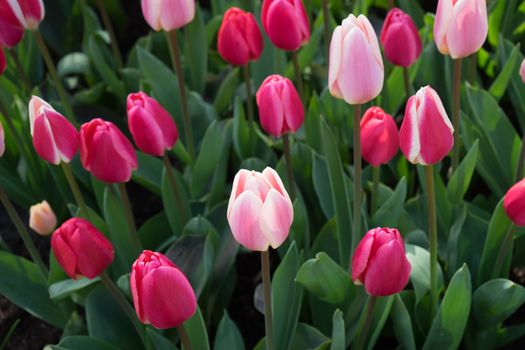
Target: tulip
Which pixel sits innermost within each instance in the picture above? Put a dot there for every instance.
(23, 13)
(42, 219)
(106, 152)
(10, 35)
(460, 27)
(379, 136)
(3, 63)
(168, 15)
(286, 23)
(400, 38)
(425, 136)
(514, 203)
(81, 249)
(522, 71)
(379, 262)
(355, 71)
(2, 140)
(280, 107)
(162, 295)
(152, 127)
(239, 39)
(260, 211)
(55, 139)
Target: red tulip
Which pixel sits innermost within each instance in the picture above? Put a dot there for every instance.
(400, 38)
(161, 293)
(379, 262)
(280, 107)
(514, 203)
(286, 23)
(81, 249)
(106, 152)
(239, 39)
(152, 127)
(3, 63)
(379, 136)
(23, 13)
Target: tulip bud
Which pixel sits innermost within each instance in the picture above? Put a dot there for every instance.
(426, 134)
(280, 107)
(3, 63)
(260, 211)
(460, 27)
(522, 71)
(239, 39)
(379, 136)
(286, 23)
(152, 127)
(514, 203)
(2, 140)
(379, 262)
(106, 152)
(355, 71)
(42, 219)
(23, 13)
(81, 249)
(162, 295)
(168, 15)
(55, 139)
(400, 38)
(10, 35)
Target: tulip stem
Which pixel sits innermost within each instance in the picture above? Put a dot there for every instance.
(176, 60)
(289, 166)
(267, 287)
(73, 184)
(456, 104)
(111, 32)
(54, 75)
(364, 326)
(521, 160)
(503, 251)
(24, 234)
(184, 339)
(298, 77)
(326, 28)
(134, 238)
(20, 70)
(356, 234)
(432, 231)
(376, 173)
(175, 189)
(406, 80)
(249, 105)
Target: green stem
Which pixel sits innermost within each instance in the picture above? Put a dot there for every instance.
(249, 106)
(376, 172)
(356, 234)
(184, 339)
(432, 231)
(54, 75)
(175, 189)
(456, 105)
(20, 70)
(177, 66)
(362, 331)
(503, 251)
(326, 29)
(73, 184)
(521, 160)
(111, 32)
(134, 238)
(267, 287)
(473, 60)
(298, 77)
(406, 80)
(289, 166)
(22, 231)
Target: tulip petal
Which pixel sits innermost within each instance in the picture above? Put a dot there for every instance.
(146, 134)
(409, 132)
(401, 47)
(271, 112)
(254, 37)
(361, 256)
(245, 224)
(151, 10)
(334, 66)
(232, 45)
(293, 107)
(10, 35)
(123, 146)
(93, 254)
(468, 29)
(64, 134)
(275, 181)
(176, 14)
(282, 27)
(276, 218)
(44, 141)
(108, 165)
(237, 187)
(64, 255)
(441, 24)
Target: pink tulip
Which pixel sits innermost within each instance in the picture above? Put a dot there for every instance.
(55, 139)
(23, 13)
(3, 63)
(10, 35)
(522, 70)
(260, 211)
(2, 140)
(152, 127)
(380, 263)
(514, 203)
(239, 39)
(286, 23)
(460, 27)
(355, 71)
(400, 38)
(81, 249)
(280, 107)
(162, 295)
(106, 152)
(42, 219)
(426, 135)
(168, 15)
(379, 136)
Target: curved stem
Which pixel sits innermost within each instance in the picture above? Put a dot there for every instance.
(432, 231)
(326, 29)
(298, 77)
(503, 251)
(175, 189)
(20, 69)
(249, 105)
(356, 234)
(134, 238)
(289, 166)
(456, 104)
(73, 184)
(184, 339)
(362, 331)
(267, 288)
(111, 32)
(376, 173)
(521, 160)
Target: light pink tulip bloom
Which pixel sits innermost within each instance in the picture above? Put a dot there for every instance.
(23, 13)
(168, 15)
(355, 71)
(426, 135)
(522, 70)
(2, 140)
(379, 136)
(460, 27)
(42, 219)
(514, 203)
(260, 211)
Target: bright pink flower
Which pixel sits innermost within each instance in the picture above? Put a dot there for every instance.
(81, 249)
(3, 63)
(22, 13)
(460, 27)
(2, 140)
(239, 39)
(10, 35)
(355, 71)
(106, 152)
(162, 295)
(522, 70)
(400, 38)
(514, 203)
(280, 107)
(152, 127)
(260, 211)
(168, 15)
(379, 136)
(380, 263)
(426, 135)
(286, 23)
(42, 219)
(55, 139)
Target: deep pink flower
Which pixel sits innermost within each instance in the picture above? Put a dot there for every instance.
(286, 23)
(379, 136)
(400, 38)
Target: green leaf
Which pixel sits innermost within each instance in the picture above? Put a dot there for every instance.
(321, 186)
(388, 214)
(160, 342)
(338, 331)
(169, 200)
(62, 289)
(402, 324)
(460, 180)
(99, 55)
(498, 87)
(452, 316)
(196, 51)
(226, 93)
(307, 337)
(148, 173)
(80, 342)
(241, 130)
(381, 312)
(197, 333)
(155, 231)
(419, 259)
(228, 336)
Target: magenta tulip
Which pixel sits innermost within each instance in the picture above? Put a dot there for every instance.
(162, 295)
(400, 38)
(522, 70)
(168, 15)
(3, 63)
(286, 23)
(10, 35)
(426, 135)
(260, 211)
(379, 262)
(514, 203)
(23, 13)
(2, 140)
(280, 107)
(379, 137)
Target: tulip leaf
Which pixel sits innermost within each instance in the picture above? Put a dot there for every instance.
(516, 90)
(241, 130)
(307, 337)
(460, 180)
(197, 332)
(509, 69)
(388, 214)
(453, 314)
(419, 259)
(402, 324)
(321, 186)
(176, 216)
(228, 336)
(226, 93)
(160, 342)
(381, 313)
(155, 231)
(338, 331)
(62, 289)
(307, 53)
(148, 173)
(82, 342)
(196, 51)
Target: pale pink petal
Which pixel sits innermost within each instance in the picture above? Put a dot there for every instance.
(409, 132)
(276, 218)
(442, 23)
(334, 66)
(237, 187)
(468, 29)
(245, 224)
(275, 181)
(151, 10)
